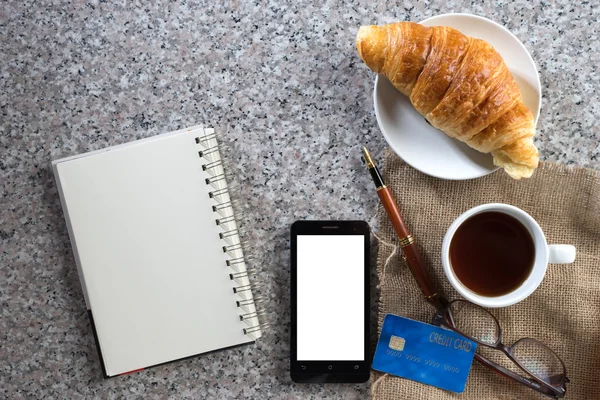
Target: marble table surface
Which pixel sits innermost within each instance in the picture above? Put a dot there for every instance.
(282, 81)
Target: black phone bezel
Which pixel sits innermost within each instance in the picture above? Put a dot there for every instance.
(330, 371)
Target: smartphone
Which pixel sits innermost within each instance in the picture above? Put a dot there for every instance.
(330, 301)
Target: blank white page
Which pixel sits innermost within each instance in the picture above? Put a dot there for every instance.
(147, 246)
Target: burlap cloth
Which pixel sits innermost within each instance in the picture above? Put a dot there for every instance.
(564, 312)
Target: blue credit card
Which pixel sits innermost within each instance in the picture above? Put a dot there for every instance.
(424, 353)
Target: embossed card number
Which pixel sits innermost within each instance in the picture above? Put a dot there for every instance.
(424, 353)
(427, 362)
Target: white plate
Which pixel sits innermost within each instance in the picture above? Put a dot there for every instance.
(429, 150)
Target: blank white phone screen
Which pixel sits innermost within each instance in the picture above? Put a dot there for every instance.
(330, 297)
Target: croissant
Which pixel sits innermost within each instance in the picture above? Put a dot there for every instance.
(460, 85)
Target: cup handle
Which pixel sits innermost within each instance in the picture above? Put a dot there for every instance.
(561, 254)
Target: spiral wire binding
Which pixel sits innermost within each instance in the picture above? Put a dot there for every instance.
(227, 204)
(255, 300)
(236, 246)
(215, 178)
(252, 313)
(212, 165)
(239, 260)
(232, 233)
(247, 272)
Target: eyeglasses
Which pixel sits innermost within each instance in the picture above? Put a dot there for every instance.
(547, 370)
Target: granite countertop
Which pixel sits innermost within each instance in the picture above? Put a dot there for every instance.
(283, 82)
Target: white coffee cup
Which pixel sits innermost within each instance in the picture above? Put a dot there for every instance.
(544, 254)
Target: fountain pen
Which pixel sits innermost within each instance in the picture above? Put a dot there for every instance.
(411, 254)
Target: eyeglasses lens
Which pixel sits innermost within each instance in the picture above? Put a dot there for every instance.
(539, 360)
(474, 322)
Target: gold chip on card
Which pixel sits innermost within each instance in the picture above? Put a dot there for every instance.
(397, 343)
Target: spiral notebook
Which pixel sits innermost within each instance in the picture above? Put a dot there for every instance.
(158, 251)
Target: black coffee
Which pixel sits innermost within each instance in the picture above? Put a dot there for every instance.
(492, 253)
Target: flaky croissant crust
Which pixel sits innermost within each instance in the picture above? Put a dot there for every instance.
(460, 84)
